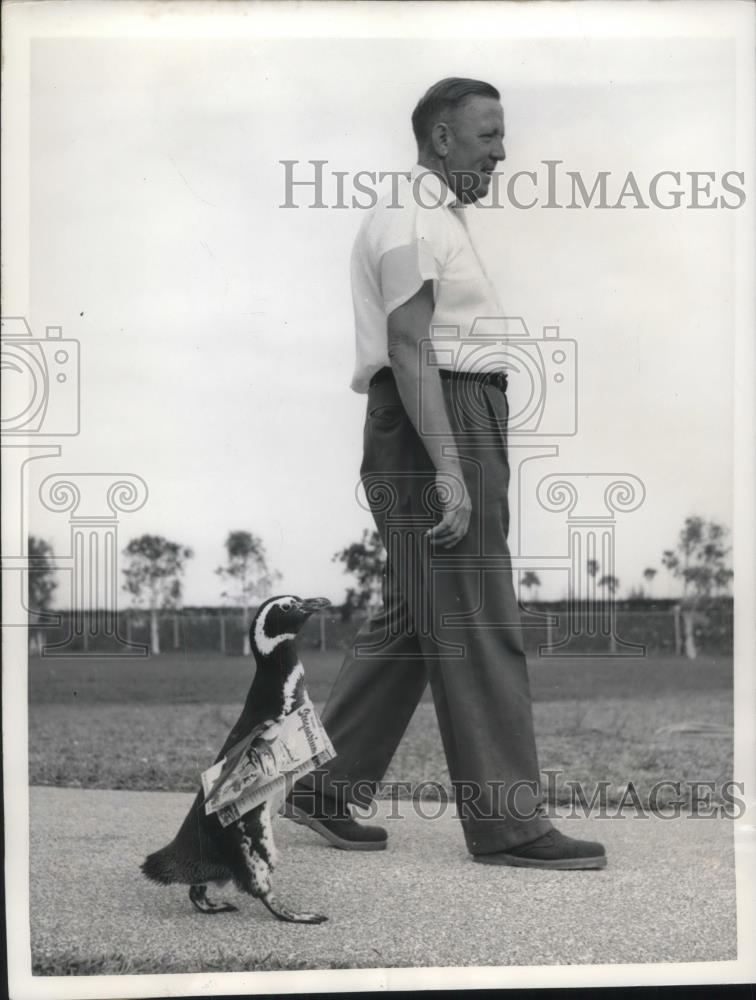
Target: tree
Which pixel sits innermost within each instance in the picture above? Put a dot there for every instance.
(366, 560)
(530, 579)
(700, 561)
(248, 573)
(41, 578)
(648, 575)
(154, 572)
(352, 602)
(611, 583)
(592, 566)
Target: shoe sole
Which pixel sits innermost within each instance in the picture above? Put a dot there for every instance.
(558, 864)
(299, 816)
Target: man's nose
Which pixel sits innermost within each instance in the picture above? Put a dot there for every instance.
(498, 151)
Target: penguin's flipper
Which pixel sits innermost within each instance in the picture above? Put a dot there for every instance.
(201, 903)
(290, 916)
(235, 754)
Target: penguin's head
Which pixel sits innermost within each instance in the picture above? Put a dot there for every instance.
(279, 619)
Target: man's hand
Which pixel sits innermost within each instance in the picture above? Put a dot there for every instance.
(455, 500)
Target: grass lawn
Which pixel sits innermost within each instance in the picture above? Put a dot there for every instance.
(176, 679)
(156, 723)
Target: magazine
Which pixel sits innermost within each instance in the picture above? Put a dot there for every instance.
(267, 763)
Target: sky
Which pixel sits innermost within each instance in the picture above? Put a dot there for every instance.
(215, 327)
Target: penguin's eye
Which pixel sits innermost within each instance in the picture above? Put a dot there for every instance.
(285, 607)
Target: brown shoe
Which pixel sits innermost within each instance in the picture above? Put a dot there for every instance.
(342, 831)
(552, 850)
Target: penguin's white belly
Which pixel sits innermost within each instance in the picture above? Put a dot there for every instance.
(290, 686)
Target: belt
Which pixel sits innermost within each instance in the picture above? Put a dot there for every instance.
(497, 379)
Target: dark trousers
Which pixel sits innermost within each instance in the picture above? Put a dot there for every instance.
(450, 617)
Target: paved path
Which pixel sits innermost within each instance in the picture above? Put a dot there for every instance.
(668, 894)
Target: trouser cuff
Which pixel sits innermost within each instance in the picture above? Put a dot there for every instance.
(491, 836)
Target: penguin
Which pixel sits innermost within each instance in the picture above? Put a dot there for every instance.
(203, 851)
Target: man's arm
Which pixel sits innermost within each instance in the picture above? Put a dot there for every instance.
(419, 386)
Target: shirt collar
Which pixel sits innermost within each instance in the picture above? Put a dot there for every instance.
(435, 189)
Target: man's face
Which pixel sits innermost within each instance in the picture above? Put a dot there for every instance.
(476, 145)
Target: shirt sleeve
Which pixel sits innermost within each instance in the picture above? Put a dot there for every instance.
(412, 248)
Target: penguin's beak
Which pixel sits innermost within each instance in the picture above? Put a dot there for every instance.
(311, 604)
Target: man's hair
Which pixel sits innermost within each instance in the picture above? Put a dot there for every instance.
(445, 96)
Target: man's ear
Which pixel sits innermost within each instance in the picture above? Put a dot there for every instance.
(440, 138)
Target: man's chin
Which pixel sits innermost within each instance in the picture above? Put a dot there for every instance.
(480, 190)
(471, 185)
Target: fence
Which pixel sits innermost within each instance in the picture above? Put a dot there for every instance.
(207, 630)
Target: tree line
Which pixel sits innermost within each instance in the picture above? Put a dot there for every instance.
(155, 566)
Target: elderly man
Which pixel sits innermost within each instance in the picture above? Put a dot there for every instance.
(436, 475)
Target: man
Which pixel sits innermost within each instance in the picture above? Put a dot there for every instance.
(435, 474)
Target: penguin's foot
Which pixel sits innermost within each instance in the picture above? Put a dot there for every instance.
(288, 915)
(198, 896)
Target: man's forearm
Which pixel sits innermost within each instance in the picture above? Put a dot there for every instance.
(419, 384)
(421, 392)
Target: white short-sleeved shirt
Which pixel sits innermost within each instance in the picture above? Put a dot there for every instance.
(413, 235)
